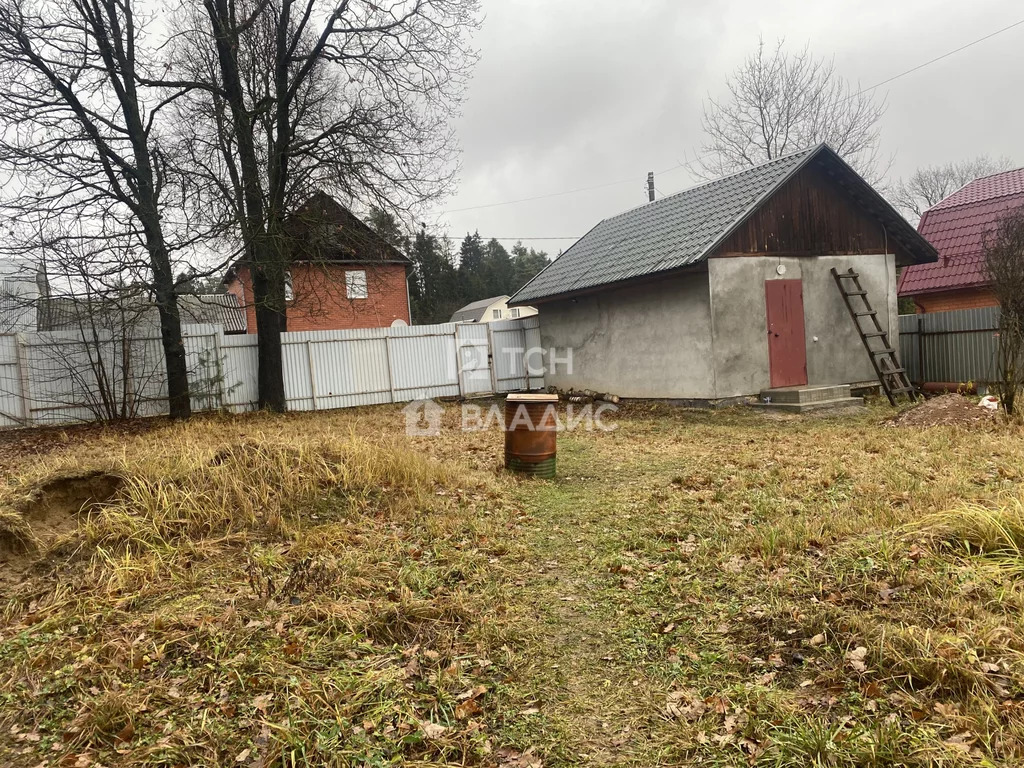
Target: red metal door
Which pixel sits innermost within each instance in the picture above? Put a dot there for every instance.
(787, 350)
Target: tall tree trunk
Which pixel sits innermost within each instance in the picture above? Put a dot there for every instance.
(174, 354)
(118, 51)
(170, 335)
(267, 276)
(270, 323)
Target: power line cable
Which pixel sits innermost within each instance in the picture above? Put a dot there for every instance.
(681, 165)
(552, 194)
(940, 58)
(485, 239)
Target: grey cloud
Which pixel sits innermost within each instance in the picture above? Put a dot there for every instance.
(574, 93)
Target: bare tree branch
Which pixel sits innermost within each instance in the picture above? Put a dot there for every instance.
(351, 97)
(780, 102)
(928, 186)
(80, 134)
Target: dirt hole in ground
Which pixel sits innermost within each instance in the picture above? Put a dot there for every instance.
(52, 509)
(55, 506)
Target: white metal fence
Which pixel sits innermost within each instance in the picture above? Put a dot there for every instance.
(57, 378)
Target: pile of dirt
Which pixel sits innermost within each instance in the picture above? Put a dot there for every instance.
(946, 409)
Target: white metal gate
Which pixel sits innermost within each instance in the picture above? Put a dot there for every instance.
(473, 355)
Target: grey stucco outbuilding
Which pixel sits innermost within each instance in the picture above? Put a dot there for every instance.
(725, 289)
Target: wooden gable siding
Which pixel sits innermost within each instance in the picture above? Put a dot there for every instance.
(811, 215)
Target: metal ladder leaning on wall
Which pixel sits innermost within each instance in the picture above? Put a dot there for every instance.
(891, 375)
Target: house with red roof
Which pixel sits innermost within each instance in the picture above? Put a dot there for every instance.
(957, 227)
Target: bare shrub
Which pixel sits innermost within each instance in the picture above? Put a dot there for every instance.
(1004, 261)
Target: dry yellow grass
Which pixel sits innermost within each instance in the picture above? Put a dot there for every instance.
(255, 587)
(713, 588)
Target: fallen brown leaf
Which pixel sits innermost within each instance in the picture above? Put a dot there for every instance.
(467, 709)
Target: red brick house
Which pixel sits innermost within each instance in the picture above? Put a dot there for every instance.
(957, 227)
(343, 274)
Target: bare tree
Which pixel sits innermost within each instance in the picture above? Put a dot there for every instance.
(1004, 260)
(351, 97)
(81, 145)
(780, 102)
(93, 360)
(928, 186)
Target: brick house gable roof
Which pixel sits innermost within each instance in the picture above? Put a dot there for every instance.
(957, 227)
(323, 230)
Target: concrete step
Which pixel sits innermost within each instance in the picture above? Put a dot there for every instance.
(820, 405)
(799, 395)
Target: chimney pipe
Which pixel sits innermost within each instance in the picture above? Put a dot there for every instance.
(650, 186)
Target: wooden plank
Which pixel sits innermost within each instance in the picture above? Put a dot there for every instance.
(811, 215)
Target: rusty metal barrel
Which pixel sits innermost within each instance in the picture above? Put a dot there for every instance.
(531, 432)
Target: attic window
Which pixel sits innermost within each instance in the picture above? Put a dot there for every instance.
(515, 312)
(355, 284)
(496, 314)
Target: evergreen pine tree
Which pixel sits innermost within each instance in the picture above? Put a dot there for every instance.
(526, 263)
(472, 269)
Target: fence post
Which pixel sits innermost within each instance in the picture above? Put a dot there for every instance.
(387, 356)
(458, 362)
(920, 349)
(312, 375)
(526, 358)
(24, 378)
(492, 358)
(217, 352)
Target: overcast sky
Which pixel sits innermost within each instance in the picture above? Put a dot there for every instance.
(578, 93)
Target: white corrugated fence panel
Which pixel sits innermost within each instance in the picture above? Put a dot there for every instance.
(241, 369)
(473, 348)
(537, 362)
(423, 362)
(516, 343)
(63, 375)
(11, 403)
(204, 363)
(344, 368)
(149, 374)
(298, 385)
